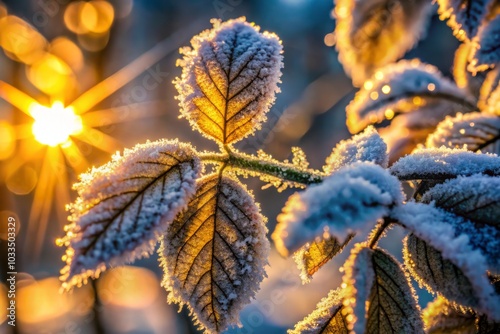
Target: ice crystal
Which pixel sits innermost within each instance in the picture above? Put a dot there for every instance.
(485, 53)
(229, 79)
(464, 16)
(214, 254)
(125, 205)
(441, 316)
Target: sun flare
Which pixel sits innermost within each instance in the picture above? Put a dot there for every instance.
(54, 125)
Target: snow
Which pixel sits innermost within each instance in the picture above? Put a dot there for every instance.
(484, 54)
(371, 34)
(394, 89)
(441, 163)
(125, 205)
(472, 131)
(489, 93)
(230, 76)
(366, 146)
(464, 17)
(438, 228)
(350, 200)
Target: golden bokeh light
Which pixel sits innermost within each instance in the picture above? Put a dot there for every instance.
(82, 17)
(41, 301)
(51, 75)
(67, 51)
(4, 227)
(7, 140)
(20, 41)
(54, 125)
(128, 286)
(22, 180)
(94, 42)
(3, 300)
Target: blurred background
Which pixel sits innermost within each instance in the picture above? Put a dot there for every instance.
(57, 51)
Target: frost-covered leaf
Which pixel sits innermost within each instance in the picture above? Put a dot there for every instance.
(444, 163)
(485, 53)
(463, 78)
(367, 146)
(312, 256)
(229, 79)
(378, 297)
(444, 259)
(125, 205)
(464, 16)
(350, 200)
(443, 317)
(489, 94)
(214, 254)
(403, 87)
(371, 34)
(474, 131)
(475, 198)
(327, 318)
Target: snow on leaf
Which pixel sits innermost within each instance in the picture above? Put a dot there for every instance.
(229, 79)
(312, 256)
(484, 53)
(350, 200)
(125, 205)
(367, 146)
(475, 198)
(444, 163)
(443, 317)
(489, 93)
(327, 318)
(474, 131)
(464, 16)
(402, 88)
(445, 261)
(378, 297)
(463, 78)
(371, 34)
(213, 255)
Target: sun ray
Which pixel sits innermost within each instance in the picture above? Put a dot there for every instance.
(17, 98)
(99, 139)
(75, 157)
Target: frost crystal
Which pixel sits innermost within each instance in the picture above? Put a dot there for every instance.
(371, 34)
(442, 163)
(328, 317)
(436, 227)
(125, 205)
(464, 16)
(465, 79)
(214, 254)
(399, 88)
(474, 131)
(489, 93)
(485, 53)
(367, 146)
(229, 79)
(350, 200)
(441, 316)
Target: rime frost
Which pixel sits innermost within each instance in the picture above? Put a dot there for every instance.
(441, 163)
(473, 131)
(125, 205)
(371, 34)
(367, 146)
(485, 46)
(350, 200)
(229, 79)
(326, 318)
(464, 16)
(438, 228)
(489, 94)
(214, 254)
(399, 88)
(463, 78)
(442, 316)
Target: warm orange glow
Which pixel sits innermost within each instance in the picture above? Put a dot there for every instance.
(82, 17)
(51, 75)
(20, 41)
(67, 51)
(54, 125)
(128, 286)
(7, 140)
(22, 180)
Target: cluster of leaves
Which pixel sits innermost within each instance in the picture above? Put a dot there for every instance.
(213, 237)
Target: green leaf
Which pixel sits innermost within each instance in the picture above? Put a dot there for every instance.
(315, 255)
(378, 296)
(443, 317)
(327, 318)
(213, 255)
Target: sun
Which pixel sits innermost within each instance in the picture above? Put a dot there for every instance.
(54, 125)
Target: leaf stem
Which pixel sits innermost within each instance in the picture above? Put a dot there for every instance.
(374, 238)
(281, 170)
